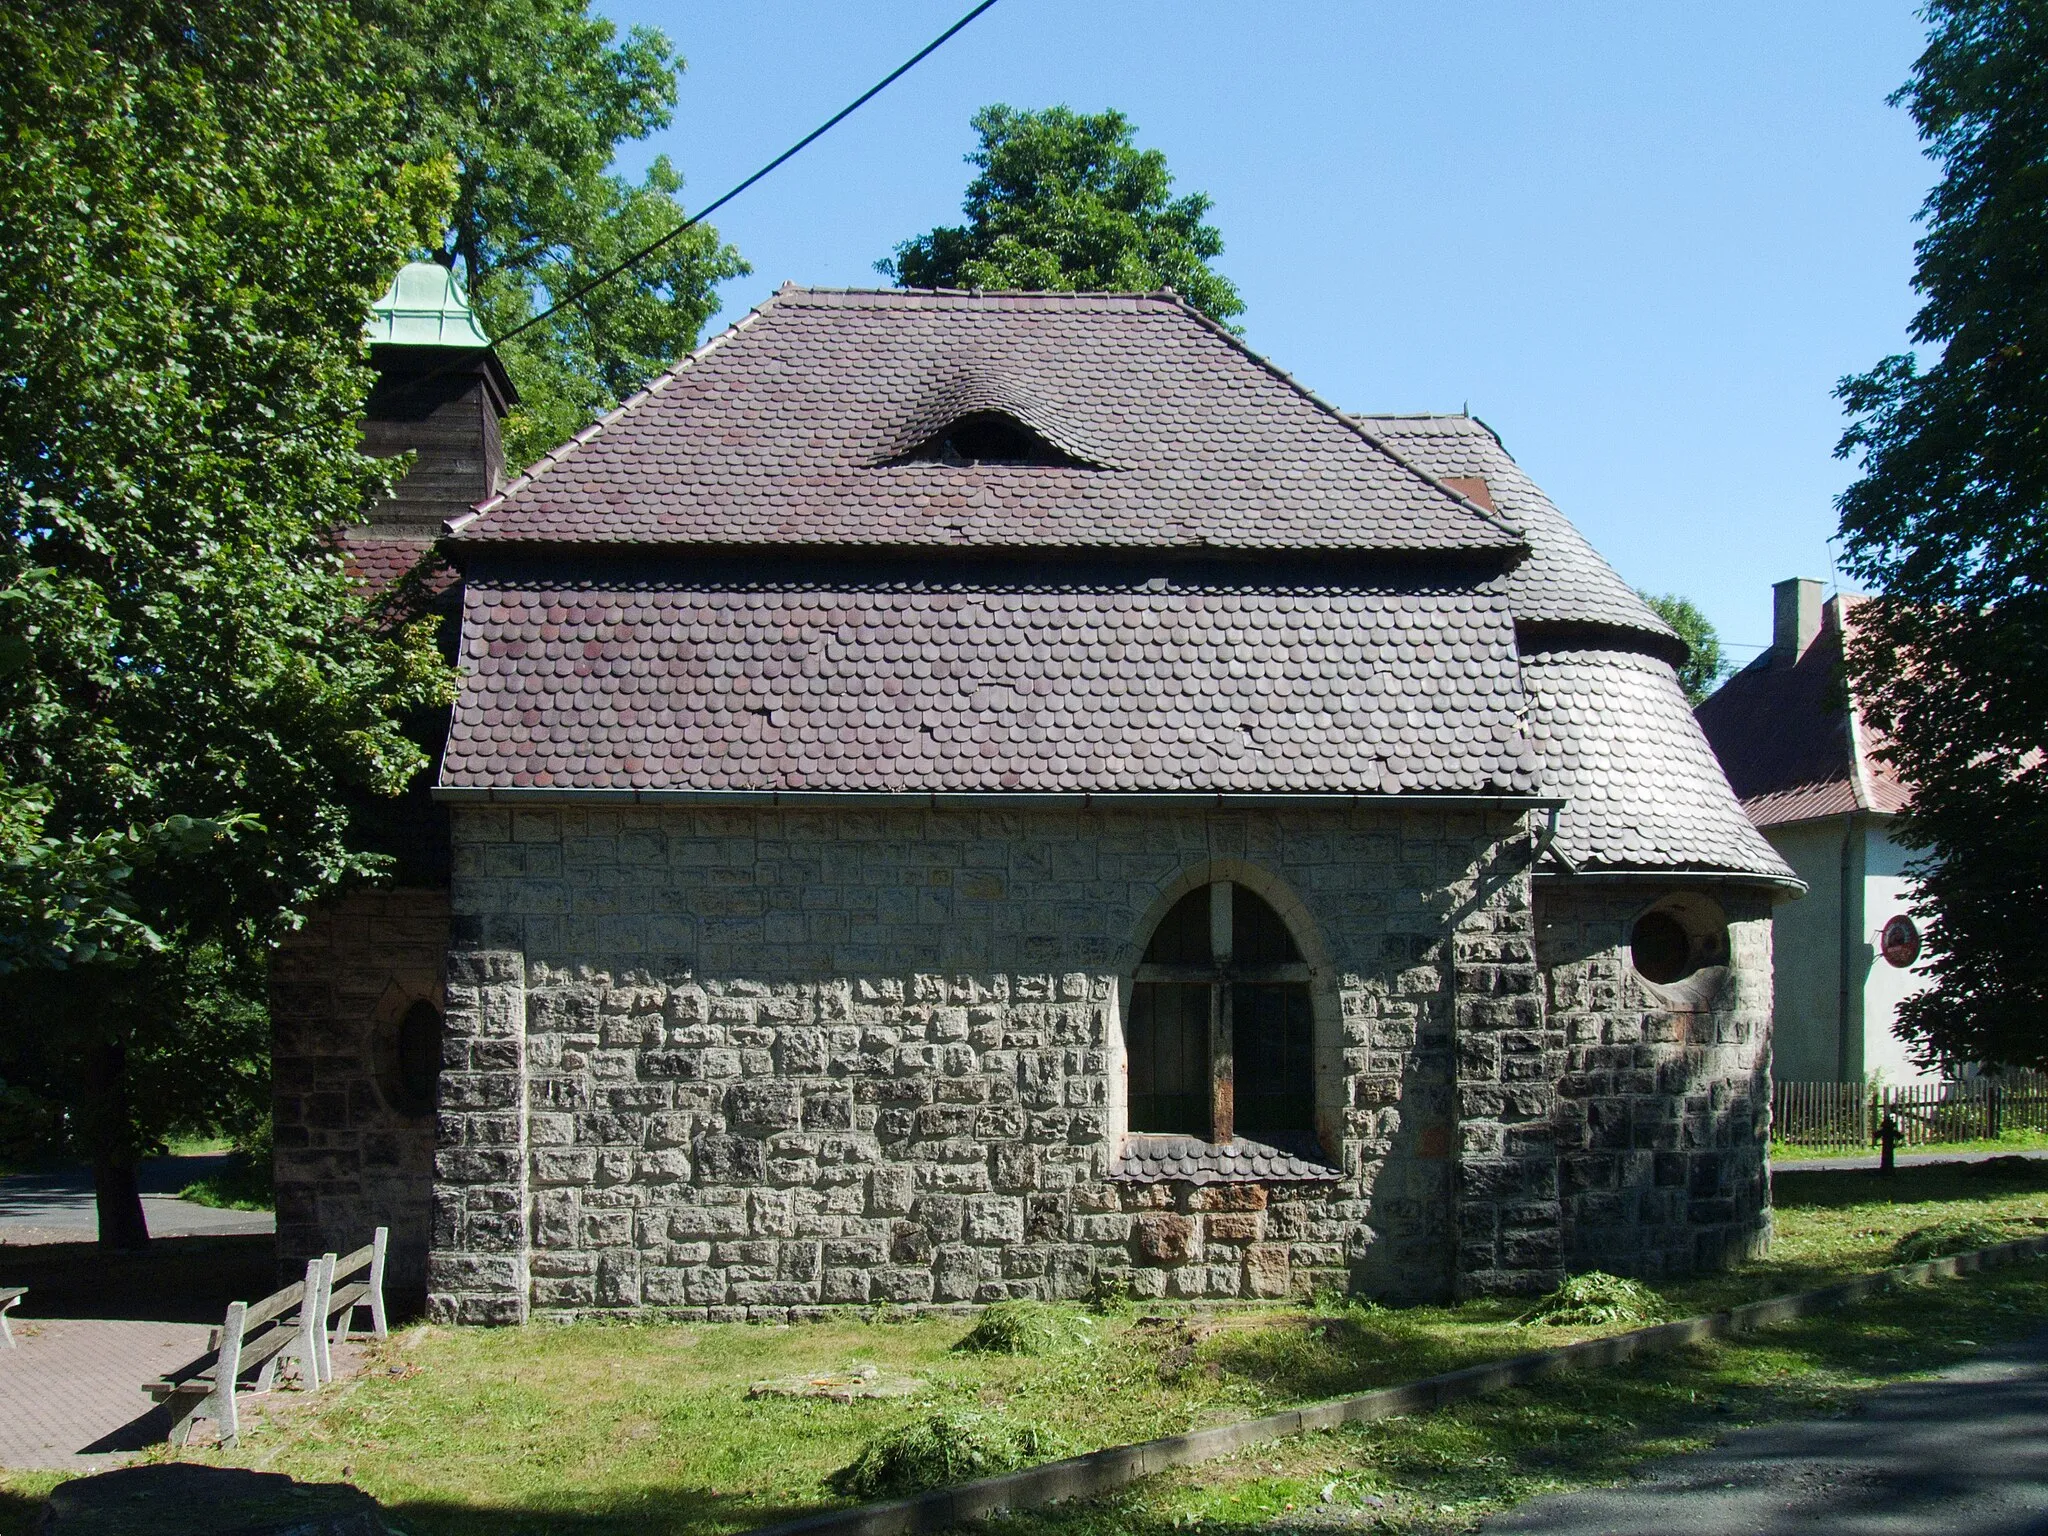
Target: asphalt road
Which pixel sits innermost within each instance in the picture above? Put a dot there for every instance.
(57, 1207)
(1961, 1454)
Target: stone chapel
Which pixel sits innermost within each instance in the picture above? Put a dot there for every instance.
(957, 796)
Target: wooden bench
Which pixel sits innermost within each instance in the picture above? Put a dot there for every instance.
(254, 1337)
(10, 1298)
(341, 1302)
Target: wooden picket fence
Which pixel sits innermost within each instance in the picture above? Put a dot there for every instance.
(1968, 1109)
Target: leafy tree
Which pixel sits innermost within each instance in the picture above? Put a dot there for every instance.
(1950, 658)
(1065, 201)
(199, 205)
(1702, 670)
(530, 99)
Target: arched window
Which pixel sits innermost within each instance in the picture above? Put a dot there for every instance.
(1220, 1040)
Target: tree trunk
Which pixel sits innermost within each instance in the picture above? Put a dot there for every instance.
(123, 1228)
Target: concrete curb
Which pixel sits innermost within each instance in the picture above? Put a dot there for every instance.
(1120, 1465)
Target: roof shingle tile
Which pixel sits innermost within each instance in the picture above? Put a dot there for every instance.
(1095, 682)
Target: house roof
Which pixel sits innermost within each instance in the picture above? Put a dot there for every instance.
(1790, 744)
(793, 427)
(1564, 580)
(822, 676)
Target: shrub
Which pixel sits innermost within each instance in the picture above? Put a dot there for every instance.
(1596, 1300)
(1958, 1234)
(1026, 1328)
(945, 1448)
(1112, 1295)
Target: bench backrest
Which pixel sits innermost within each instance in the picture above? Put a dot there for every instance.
(369, 1257)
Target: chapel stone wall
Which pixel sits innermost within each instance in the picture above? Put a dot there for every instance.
(349, 1157)
(777, 1060)
(1663, 1114)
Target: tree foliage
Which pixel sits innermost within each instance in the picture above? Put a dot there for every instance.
(1705, 665)
(199, 206)
(1949, 661)
(1065, 201)
(529, 101)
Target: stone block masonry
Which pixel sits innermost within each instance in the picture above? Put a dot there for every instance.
(351, 1154)
(779, 1060)
(1662, 1093)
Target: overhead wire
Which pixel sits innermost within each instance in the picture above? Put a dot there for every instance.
(788, 154)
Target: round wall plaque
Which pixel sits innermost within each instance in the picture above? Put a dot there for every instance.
(1900, 941)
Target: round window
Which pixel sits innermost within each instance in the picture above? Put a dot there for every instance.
(1900, 941)
(1660, 948)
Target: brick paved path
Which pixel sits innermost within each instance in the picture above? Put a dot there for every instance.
(70, 1391)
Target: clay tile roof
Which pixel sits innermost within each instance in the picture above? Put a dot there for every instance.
(1152, 1159)
(1644, 791)
(1606, 714)
(1564, 580)
(820, 676)
(1792, 748)
(380, 559)
(779, 432)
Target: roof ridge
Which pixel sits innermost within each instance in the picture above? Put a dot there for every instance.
(654, 386)
(1160, 295)
(1344, 418)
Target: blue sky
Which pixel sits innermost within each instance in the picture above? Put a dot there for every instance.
(1641, 240)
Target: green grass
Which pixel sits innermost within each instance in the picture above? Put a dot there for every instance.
(646, 1430)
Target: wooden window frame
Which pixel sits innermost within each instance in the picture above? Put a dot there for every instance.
(1219, 978)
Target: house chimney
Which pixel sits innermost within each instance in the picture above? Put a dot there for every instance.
(440, 394)
(1795, 619)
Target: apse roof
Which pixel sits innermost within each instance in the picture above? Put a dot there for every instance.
(1564, 580)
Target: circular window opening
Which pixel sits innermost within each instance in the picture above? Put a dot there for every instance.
(418, 1068)
(1660, 948)
(1900, 941)
(1683, 936)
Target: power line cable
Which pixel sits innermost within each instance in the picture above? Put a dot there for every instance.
(795, 149)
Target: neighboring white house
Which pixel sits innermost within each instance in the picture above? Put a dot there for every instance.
(1801, 760)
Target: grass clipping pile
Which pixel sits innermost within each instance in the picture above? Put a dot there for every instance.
(1597, 1300)
(935, 1452)
(1027, 1328)
(1957, 1234)
(955, 1445)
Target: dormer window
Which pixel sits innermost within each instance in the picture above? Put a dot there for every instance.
(991, 437)
(982, 413)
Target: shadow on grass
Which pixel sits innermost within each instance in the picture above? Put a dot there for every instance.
(676, 1511)
(1837, 1188)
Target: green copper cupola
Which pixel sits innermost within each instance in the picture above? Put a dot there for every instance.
(425, 307)
(441, 392)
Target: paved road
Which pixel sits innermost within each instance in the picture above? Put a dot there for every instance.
(57, 1207)
(1964, 1454)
